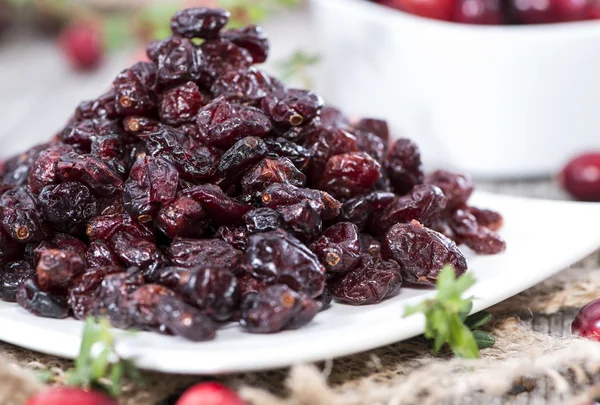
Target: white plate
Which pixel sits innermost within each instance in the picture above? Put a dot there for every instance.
(543, 237)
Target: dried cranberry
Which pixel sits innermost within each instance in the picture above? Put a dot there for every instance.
(222, 56)
(176, 60)
(141, 126)
(421, 252)
(338, 248)
(326, 143)
(43, 171)
(488, 218)
(237, 236)
(12, 275)
(403, 165)
(21, 216)
(269, 171)
(15, 171)
(134, 89)
(477, 237)
(41, 303)
(90, 171)
(181, 104)
(252, 39)
(241, 156)
(135, 251)
(292, 107)
(114, 297)
(184, 320)
(144, 303)
(83, 289)
(262, 220)
(214, 290)
(222, 124)
(57, 267)
(199, 22)
(369, 283)
(349, 174)
(99, 254)
(104, 227)
(183, 217)
(282, 194)
(68, 206)
(333, 118)
(456, 187)
(297, 154)
(205, 252)
(101, 108)
(302, 219)
(249, 284)
(222, 209)
(375, 126)
(63, 241)
(278, 257)
(245, 86)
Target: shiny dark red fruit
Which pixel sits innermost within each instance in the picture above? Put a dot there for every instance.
(587, 321)
(581, 177)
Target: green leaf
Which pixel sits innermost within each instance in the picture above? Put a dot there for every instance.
(461, 339)
(116, 32)
(483, 339)
(477, 320)
(465, 312)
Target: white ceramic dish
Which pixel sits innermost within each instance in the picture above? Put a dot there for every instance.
(543, 238)
(493, 101)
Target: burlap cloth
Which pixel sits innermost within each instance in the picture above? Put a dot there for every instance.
(534, 361)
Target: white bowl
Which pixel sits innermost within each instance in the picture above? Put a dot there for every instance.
(495, 101)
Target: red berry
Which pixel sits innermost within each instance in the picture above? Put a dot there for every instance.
(571, 10)
(82, 45)
(478, 12)
(210, 393)
(594, 10)
(69, 396)
(587, 321)
(534, 11)
(581, 177)
(437, 9)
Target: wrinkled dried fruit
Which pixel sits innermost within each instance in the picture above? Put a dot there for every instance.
(369, 283)
(56, 268)
(338, 248)
(403, 166)
(41, 303)
(200, 22)
(184, 320)
(12, 275)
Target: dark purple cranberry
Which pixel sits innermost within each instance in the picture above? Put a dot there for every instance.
(349, 174)
(114, 296)
(56, 268)
(138, 252)
(214, 290)
(222, 124)
(41, 303)
(91, 171)
(177, 60)
(181, 104)
(338, 248)
(332, 118)
(184, 320)
(205, 252)
(375, 126)
(21, 216)
(369, 283)
(15, 171)
(70, 243)
(270, 171)
(68, 206)
(222, 210)
(144, 303)
(104, 227)
(252, 39)
(403, 166)
(278, 257)
(282, 194)
(134, 89)
(83, 289)
(12, 275)
(101, 108)
(262, 220)
(99, 254)
(297, 154)
(183, 217)
(245, 86)
(43, 172)
(222, 56)
(477, 237)
(326, 143)
(292, 107)
(200, 22)
(421, 252)
(240, 157)
(456, 187)
(237, 236)
(302, 219)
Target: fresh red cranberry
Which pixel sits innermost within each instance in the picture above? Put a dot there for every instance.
(587, 321)
(581, 177)
(69, 396)
(594, 10)
(533, 11)
(571, 10)
(478, 12)
(82, 45)
(437, 9)
(210, 393)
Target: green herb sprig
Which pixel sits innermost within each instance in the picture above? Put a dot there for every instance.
(447, 317)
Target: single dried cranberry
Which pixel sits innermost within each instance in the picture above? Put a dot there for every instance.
(338, 248)
(90, 171)
(184, 320)
(349, 174)
(104, 227)
(114, 297)
(302, 219)
(141, 126)
(370, 247)
(421, 252)
(332, 118)
(245, 86)
(292, 107)
(101, 108)
(370, 144)
(241, 156)
(41, 303)
(222, 124)
(57, 267)
(134, 89)
(70, 243)
(477, 237)
(297, 154)
(222, 56)
(175, 278)
(456, 187)
(423, 203)
(237, 236)
(12, 275)
(403, 165)
(278, 257)
(282, 194)
(488, 218)
(223, 210)
(252, 39)
(326, 143)
(144, 303)
(262, 220)
(99, 254)
(205, 252)
(249, 284)
(275, 308)
(375, 126)
(183, 217)
(181, 104)
(134, 251)
(269, 171)
(369, 283)
(15, 171)
(214, 290)
(177, 60)
(21, 216)
(81, 134)
(152, 182)
(199, 22)
(83, 289)
(43, 171)
(68, 206)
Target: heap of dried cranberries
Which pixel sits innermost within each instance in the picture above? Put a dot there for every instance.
(200, 190)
